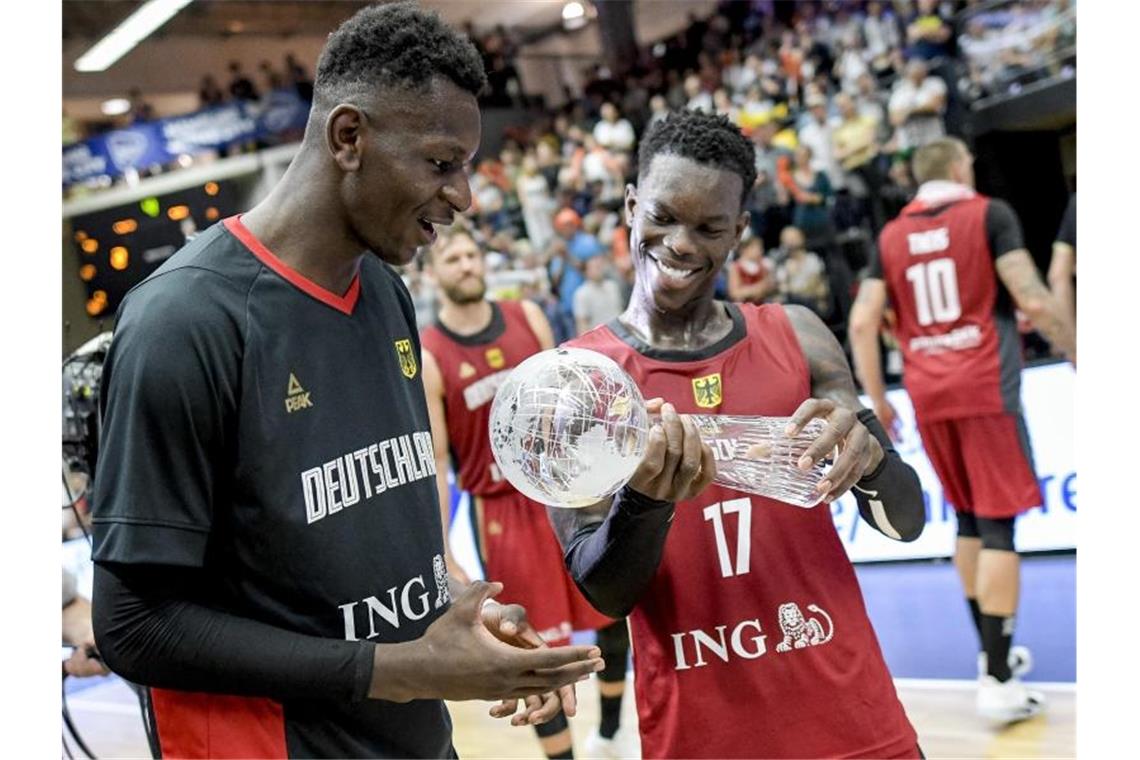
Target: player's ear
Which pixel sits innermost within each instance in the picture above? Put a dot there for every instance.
(630, 203)
(742, 222)
(344, 129)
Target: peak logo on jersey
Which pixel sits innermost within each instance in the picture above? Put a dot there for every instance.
(465, 371)
(495, 358)
(296, 397)
(407, 357)
(708, 391)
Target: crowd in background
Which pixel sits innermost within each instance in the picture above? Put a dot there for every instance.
(834, 95)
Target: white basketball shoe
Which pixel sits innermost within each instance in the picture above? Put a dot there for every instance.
(1007, 702)
(625, 745)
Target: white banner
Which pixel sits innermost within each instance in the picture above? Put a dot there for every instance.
(1048, 397)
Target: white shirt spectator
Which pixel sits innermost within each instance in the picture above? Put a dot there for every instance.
(919, 129)
(616, 136)
(818, 137)
(850, 67)
(881, 34)
(702, 101)
(596, 303)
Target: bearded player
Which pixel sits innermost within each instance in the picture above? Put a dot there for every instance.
(745, 613)
(954, 265)
(467, 355)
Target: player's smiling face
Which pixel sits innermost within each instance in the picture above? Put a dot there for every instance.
(411, 176)
(685, 219)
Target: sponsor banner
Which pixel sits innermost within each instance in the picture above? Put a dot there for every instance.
(1047, 395)
(164, 140)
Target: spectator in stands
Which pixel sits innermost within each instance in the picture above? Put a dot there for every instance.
(571, 249)
(241, 88)
(856, 149)
(723, 105)
(801, 277)
(602, 171)
(298, 77)
(929, 32)
(698, 98)
(614, 132)
(917, 104)
(882, 35)
(768, 204)
(900, 188)
(273, 78)
(817, 135)
(750, 277)
(598, 299)
(209, 93)
(851, 63)
(537, 203)
(810, 190)
(141, 111)
(658, 110)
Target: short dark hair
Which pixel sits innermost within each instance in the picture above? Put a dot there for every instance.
(397, 45)
(704, 138)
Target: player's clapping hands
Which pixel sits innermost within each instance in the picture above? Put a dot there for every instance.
(485, 651)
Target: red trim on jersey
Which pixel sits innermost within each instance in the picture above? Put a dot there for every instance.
(345, 303)
(196, 724)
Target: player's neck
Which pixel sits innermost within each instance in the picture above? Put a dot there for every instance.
(316, 250)
(697, 325)
(465, 318)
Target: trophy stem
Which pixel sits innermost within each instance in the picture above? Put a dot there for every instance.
(754, 455)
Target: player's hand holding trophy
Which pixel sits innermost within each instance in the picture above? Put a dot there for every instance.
(569, 427)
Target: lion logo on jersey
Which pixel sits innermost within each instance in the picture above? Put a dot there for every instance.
(799, 632)
(442, 594)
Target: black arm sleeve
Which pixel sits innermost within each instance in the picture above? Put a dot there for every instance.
(613, 561)
(1003, 230)
(150, 632)
(890, 496)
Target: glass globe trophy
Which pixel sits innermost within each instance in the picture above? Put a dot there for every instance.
(569, 427)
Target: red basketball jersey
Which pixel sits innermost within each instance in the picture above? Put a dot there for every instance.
(962, 355)
(752, 640)
(473, 368)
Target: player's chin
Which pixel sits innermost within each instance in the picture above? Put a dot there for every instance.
(397, 255)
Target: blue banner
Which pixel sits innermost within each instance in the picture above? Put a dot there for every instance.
(164, 140)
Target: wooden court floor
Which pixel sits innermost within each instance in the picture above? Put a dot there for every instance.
(942, 713)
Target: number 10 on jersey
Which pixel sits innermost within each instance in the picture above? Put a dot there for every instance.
(935, 291)
(715, 513)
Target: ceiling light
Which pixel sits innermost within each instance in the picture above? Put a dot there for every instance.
(137, 27)
(573, 10)
(115, 106)
(573, 15)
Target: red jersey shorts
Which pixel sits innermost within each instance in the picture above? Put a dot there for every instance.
(519, 549)
(984, 464)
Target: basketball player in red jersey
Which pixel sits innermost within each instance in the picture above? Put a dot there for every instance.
(949, 264)
(750, 636)
(466, 356)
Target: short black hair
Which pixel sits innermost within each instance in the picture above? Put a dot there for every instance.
(704, 138)
(397, 45)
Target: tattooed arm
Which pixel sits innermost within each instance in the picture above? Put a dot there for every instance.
(863, 331)
(887, 489)
(1048, 313)
(612, 549)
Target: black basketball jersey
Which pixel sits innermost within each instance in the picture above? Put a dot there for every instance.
(276, 435)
